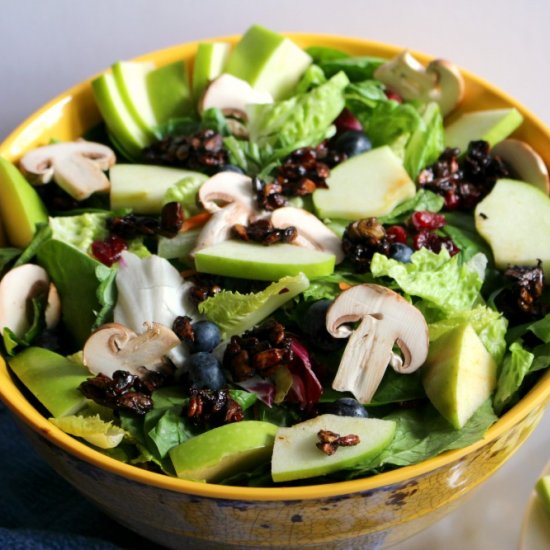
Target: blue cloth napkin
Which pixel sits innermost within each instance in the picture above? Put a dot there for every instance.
(39, 510)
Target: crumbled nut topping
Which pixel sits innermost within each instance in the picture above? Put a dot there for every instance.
(262, 231)
(330, 441)
(362, 239)
(204, 287)
(182, 327)
(213, 407)
(258, 351)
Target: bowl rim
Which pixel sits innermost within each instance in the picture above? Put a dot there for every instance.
(534, 400)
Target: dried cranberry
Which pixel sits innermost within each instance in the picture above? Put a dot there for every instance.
(346, 120)
(396, 234)
(390, 94)
(452, 200)
(427, 220)
(108, 251)
(431, 241)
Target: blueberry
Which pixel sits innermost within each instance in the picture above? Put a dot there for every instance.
(207, 336)
(345, 406)
(231, 168)
(401, 252)
(205, 371)
(313, 323)
(352, 142)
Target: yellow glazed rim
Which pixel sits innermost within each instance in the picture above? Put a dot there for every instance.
(73, 112)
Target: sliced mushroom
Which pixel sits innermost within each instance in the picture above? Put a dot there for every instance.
(231, 95)
(76, 166)
(17, 289)
(440, 81)
(385, 319)
(524, 162)
(224, 188)
(312, 232)
(115, 347)
(228, 196)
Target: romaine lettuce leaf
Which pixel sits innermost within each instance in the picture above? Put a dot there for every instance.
(235, 313)
(516, 365)
(303, 120)
(185, 192)
(80, 231)
(93, 429)
(437, 278)
(423, 200)
(313, 77)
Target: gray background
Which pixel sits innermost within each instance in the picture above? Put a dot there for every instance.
(48, 45)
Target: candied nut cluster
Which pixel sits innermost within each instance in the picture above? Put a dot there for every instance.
(523, 301)
(261, 350)
(463, 182)
(204, 286)
(124, 391)
(263, 232)
(203, 151)
(213, 407)
(330, 441)
(362, 239)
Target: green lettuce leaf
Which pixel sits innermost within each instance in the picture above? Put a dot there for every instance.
(427, 141)
(93, 429)
(303, 120)
(185, 192)
(514, 369)
(235, 313)
(80, 231)
(313, 77)
(440, 280)
(423, 200)
(166, 428)
(355, 68)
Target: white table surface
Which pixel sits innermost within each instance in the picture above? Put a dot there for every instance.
(48, 45)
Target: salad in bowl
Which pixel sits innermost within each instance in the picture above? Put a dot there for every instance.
(277, 266)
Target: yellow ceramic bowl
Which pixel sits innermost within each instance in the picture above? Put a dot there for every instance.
(365, 513)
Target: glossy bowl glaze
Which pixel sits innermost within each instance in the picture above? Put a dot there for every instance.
(367, 513)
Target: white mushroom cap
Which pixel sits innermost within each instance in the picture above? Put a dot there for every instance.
(115, 347)
(440, 81)
(77, 166)
(224, 188)
(312, 232)
(231, 95)
(525, 163)
(385, 319)
(17, 288)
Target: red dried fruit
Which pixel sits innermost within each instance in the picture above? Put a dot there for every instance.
(397, 234)
(390, 94)
(108, 251)
(346, 121)
(427, 220)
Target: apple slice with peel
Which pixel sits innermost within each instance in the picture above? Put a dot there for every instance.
(209, 64)
(369, 184)
(51, 378)
(266, 263)
(296, 455)
(223, 451)
(492, 126)
(268, 61)
(459, 374)
(514, 218)
(20, 206)
(142, 187)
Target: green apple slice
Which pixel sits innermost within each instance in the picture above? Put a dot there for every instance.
(543, 491)
(459, 374)
(169, 91)
(142, 187)
(20, 206)
(266, 263)
(223, 451)
(296, 456)
(268, 62)
(130, 79)
(514, 218)
(209, 63)
(118, 117)
(51, 378)
(492, 126)
(369, 184)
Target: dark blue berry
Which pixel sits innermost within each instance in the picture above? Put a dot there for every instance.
(313, 323)
(352, 142)
(345, 406)
(206, 336)
(401, 252)
(205, 371)
(231, 168)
